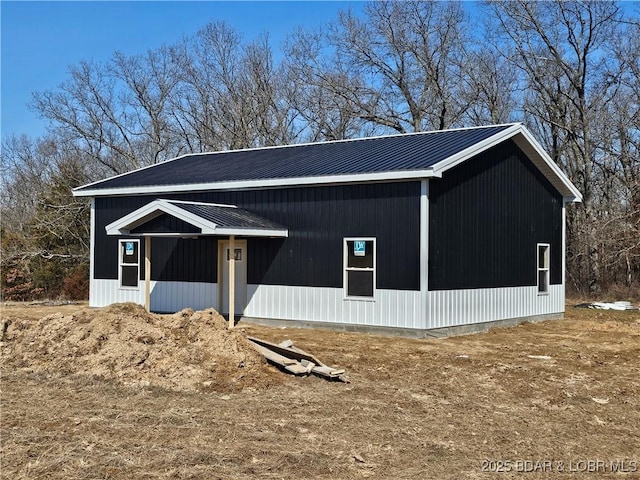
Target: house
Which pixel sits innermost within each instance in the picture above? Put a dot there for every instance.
(404, 233)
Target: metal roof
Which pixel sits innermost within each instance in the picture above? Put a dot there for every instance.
(227, 216)
(394, 157)
(208, 218)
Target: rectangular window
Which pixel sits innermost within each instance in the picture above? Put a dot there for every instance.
(129, 262)
(543, 268)
(359, 267)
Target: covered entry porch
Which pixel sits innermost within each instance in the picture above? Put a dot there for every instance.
(192, 220)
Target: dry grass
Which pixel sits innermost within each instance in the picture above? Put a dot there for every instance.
(414, 409)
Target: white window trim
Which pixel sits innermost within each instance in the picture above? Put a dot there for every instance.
(346, 269)
(546, 268)
(121, 264)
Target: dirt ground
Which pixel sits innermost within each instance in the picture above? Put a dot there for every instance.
(557, 399)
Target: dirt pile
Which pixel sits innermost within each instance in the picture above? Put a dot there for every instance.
(185, 351)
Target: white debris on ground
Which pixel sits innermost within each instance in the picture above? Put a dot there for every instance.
(620, 305)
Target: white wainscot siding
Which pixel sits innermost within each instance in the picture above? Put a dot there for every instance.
(448, 308)
(391, 308)
(165, 296)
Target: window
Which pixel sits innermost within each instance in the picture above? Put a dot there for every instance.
(543, 268)
(129, 259)
(360, 267)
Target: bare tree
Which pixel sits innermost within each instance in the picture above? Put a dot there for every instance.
(398, 67)
(230, 93)
(45, 232)
(314, 86)
(147, 83)
(561, 47)
(86, 108)
(490, 88)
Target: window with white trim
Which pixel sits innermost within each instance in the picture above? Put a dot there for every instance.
(359, 267)
(129, 263)
(543, 268)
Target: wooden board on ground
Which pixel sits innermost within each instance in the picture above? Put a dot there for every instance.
(289, 352)
(295, 360)
(274, 357)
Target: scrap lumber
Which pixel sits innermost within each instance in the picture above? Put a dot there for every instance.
(274, 357)
(328, 371)
(286, 351)
(297, 369)
(296, 360)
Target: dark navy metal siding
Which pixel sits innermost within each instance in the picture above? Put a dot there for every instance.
(486, 217)
(165, 223)
(368, 155)
(318, 218)
(172, 258)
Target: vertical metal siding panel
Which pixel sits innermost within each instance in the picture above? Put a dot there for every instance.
(273, 301)
(385, 302)
(436, 306)
(484, 305)
(286, 303)
(509, 193)
(434, 310)
(280, 303)
(445, 309)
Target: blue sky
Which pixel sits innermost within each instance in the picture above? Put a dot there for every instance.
(40, 40)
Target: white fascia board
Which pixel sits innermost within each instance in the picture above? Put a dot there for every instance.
(475, 149)
(125, 224)
(261, 183)
(251, 232)
(223, 232)
(146, 212)
(571, 194)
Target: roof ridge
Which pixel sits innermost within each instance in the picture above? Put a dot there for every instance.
(345, 140)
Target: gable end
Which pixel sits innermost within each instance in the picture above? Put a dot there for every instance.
(486, 217)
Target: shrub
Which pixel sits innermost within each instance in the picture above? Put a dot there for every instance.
(76, 283)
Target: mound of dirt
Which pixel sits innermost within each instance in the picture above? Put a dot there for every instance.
(186, 351)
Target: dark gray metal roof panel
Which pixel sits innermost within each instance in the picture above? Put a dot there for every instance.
(368, 155)
(228, 216)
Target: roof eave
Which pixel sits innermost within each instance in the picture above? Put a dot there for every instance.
(260, 183)
(527, 143)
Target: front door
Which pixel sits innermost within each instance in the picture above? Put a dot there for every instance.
(240, 255)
